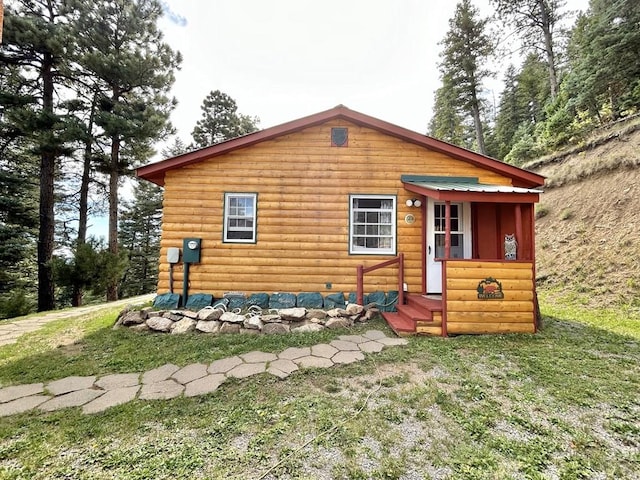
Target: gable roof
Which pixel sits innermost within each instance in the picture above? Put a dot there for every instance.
(521, 178)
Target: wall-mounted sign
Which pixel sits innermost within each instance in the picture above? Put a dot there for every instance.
(490, 289)
(409, 218)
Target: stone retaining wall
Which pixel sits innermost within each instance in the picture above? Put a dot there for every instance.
(254, 320)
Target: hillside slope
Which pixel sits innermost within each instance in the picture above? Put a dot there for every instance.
(588, 226)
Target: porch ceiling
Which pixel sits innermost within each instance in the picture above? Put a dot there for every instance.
(472, 192)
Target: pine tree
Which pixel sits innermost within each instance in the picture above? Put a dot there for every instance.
(466, 50)
(123, 48)
(221, 121)
(447, 123)
(140, 225)
(604, 49)
(536, 22)
(36, 39)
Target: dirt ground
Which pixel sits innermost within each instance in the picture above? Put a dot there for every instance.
(588, 226)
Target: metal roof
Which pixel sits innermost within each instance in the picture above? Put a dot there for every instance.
(471, 187)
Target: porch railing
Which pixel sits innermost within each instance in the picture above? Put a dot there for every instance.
(361, 270)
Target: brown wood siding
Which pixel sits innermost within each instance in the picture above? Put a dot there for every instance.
(467, 314)
(303, 186)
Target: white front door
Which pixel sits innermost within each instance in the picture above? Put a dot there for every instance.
(460, 238)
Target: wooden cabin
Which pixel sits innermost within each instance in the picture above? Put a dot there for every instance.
(343, 202)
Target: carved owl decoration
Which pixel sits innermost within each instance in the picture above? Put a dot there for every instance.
(510, 247)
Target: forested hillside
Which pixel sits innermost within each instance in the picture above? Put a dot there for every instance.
(588, 225)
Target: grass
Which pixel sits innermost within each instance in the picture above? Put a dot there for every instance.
(559, 404)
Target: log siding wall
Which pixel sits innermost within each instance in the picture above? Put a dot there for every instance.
(303, 186)
(465, 313)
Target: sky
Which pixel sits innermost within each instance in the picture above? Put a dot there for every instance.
(285, 59)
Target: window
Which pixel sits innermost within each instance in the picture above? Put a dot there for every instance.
(457, 233)
(373, 224)
(240, 217)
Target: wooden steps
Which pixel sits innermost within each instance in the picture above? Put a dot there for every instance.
(419, 316)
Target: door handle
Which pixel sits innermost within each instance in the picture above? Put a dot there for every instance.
(429, 249)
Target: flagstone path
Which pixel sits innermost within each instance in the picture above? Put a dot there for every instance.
(95, 394)
(11, 330)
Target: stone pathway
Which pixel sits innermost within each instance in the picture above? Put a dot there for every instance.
(11, 330)
(95, 394)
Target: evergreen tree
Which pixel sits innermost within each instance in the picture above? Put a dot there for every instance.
(123, 48)
(36, 40)
(18, 202)
(221, 121)
(140, 225)
(522, 105)
(447, 123)
(466, 50)
(535, 22)
(604, 49)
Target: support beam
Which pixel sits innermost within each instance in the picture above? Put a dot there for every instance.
(519, 239)
(447, 229)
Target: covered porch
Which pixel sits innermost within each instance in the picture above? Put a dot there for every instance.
(478, 258)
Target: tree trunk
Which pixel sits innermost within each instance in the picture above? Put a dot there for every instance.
(475, 108)
(83, 208)
(46, 296)
(114, 173)
(548, 46)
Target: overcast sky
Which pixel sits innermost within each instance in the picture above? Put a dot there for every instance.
(285, 59)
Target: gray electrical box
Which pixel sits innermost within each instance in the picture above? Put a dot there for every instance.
(173, 254)
(191, 250)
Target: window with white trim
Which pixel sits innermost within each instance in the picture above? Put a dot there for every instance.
(240, 217)
(373, 224)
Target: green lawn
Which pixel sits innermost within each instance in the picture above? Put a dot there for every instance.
(564, 404)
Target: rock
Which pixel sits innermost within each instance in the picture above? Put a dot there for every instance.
(197, 301)
(270, 318)
(236, 300)
(206, 326)
(167, 300)
(334, 300)
(334, 313)
(282, 300)
(341, 322)
(222, 303)
(159, 324)
(369, 314)
(143, 327)
(190, 314)
(231, 317)
(292, 314)
(253, 323)
(379, 298)
(354, 309)
(174, 316)
(183, 326)
(317, 314)
(310, 327)
(259, 300)
(227, 327)
(275, 328)
(203, 313)
(317, 320)
(310, 300)
(249, 331)
(146, 312)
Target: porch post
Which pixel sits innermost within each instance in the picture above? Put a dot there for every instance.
(519, 248)
(447, 229)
